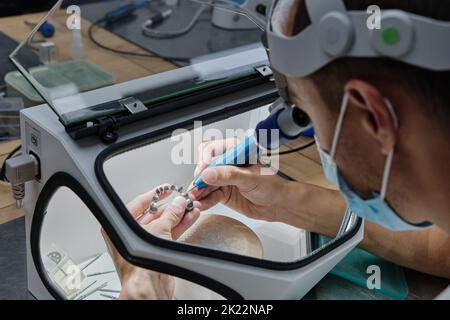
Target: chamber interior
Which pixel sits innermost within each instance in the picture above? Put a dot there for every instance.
(173, 159)
(73, 250)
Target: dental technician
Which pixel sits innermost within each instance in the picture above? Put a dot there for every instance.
(380, 104)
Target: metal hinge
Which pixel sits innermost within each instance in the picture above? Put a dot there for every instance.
(133, 105)
(265, 71)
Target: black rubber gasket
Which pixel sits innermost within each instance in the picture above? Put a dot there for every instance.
(62, 179)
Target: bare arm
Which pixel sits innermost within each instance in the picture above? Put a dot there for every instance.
(321, 210)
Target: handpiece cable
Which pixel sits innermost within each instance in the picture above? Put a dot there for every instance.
(123, 52)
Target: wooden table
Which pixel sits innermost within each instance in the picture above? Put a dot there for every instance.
(303, 166)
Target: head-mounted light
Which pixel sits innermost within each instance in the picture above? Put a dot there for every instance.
(335, 32)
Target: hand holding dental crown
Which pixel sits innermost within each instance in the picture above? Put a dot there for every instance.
(169, 222)
(174, 221)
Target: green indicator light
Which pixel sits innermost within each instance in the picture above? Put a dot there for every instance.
(391, 36)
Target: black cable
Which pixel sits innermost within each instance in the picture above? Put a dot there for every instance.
(303, 147)
(3, 169)
(129, 53)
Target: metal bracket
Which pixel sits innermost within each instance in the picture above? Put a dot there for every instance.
(265, 71)
(133, 105)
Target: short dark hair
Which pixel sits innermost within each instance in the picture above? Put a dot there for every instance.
(432, 86)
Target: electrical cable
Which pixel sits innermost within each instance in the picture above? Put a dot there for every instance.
(298, 149)
(123, 52)
(232, 7)
(3, 169)
(229, 6)
(153, 33)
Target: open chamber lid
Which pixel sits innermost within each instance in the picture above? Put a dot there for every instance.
(83, 48)
(147, 117)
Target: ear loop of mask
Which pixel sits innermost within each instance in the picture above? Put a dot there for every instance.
(390, 157)
(337, 130)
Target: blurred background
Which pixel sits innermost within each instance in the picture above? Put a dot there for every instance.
(18, 7)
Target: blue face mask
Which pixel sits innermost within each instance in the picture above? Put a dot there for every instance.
(375, 209)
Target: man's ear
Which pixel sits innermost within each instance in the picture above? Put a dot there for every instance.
(377, 119)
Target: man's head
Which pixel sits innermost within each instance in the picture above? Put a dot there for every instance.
(421, 100)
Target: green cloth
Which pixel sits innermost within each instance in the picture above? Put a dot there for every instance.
(82, 75)
(353, 268)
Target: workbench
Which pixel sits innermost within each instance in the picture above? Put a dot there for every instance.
(303, 166)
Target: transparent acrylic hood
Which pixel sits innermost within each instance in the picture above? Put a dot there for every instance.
(71, 63)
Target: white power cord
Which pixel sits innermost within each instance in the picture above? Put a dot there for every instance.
(153, 33)
(230, 6)
(19, 170)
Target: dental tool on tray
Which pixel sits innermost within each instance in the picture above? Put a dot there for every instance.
(290, 122)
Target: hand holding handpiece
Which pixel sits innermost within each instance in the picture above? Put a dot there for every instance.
(170, 222)
(244, 190)
(284, 124)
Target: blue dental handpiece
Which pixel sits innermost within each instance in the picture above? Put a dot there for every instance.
(289, 123)
(244, 153)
